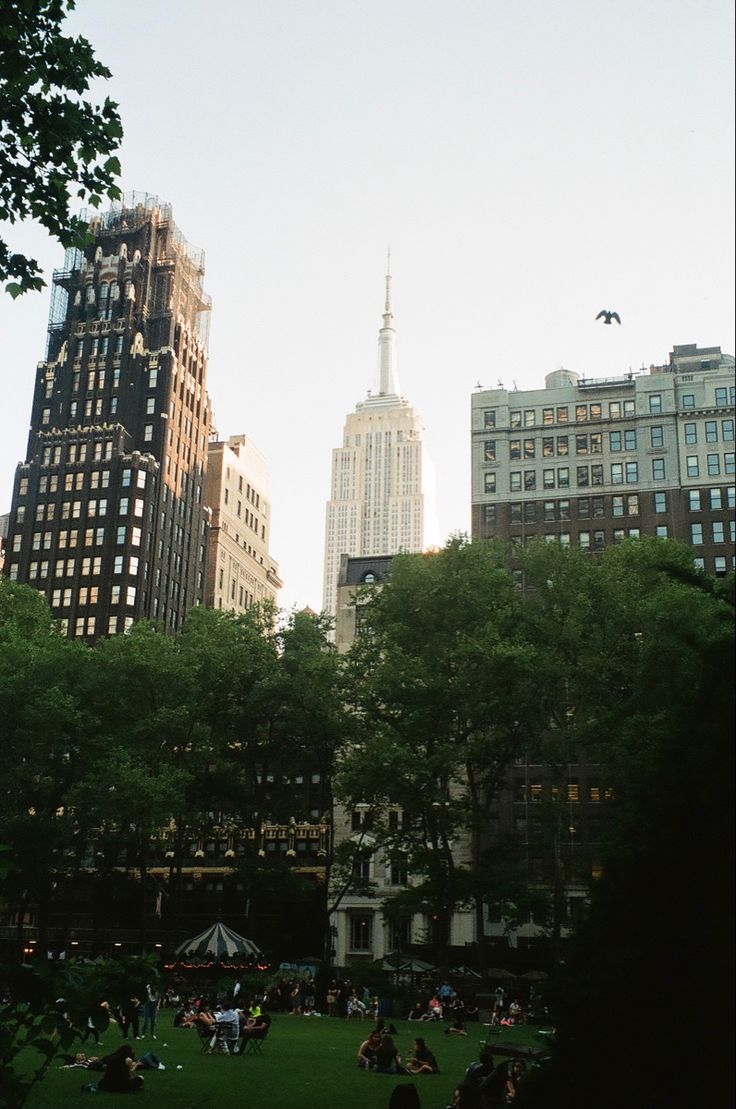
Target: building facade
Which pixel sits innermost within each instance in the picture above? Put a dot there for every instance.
(377, 501)
(107, 517)
(590, 462)
(240, 571)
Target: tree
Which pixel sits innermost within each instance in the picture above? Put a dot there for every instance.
(652, 960)
(52, 139)
(444, 691)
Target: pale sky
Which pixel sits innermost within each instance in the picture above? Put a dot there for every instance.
(529, 163)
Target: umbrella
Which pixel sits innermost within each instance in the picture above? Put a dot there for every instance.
(534, 976)
(499, 972)
(217, 943)
(465, 972)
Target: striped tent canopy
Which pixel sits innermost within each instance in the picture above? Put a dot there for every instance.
(219, 943)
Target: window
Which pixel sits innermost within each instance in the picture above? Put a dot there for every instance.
(693, 500)
(661, 531)
(727, 430)
(117, 566)
(515, 420)
(719, 566)
(655, 403)
(489, 515)
(696, 533)
(515, 512)
(581, 413)
(693, 466)
(489, 450)
(598, 507)
(617, 506)
(595, 411)
(632, 472)
(489, 482)
(548, 447)
(515, 450)
(583, 508)
(529, 417)
(583, 476)
(584, 540)
(562, 414)
(731, 497)
(530, 512)
(630, 440)
(634, 533)
(563, 444)
(596, 475)
(718, 532)
(660, 502)
(699, 563)
(614, 409)
(691, 434)
(549, 510)
(530, 479)
(716, 499)
(515, 481)
(548, 479)
(618, 535)
(361, 928)
(489, 417)
(728, 463)
(632, 504)
(658, 469)
(714, 465)
(548, 416)
(147, 433)
(564, 510)
(581, 444)
(617, 473)
(563, 477)
(599, 540)
(711, 431)
(656, 436)
(688, 400)
(529, 451)
(615, 441)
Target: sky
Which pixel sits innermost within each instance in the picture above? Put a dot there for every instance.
(528, 164)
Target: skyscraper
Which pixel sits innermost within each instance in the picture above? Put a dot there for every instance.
(107, 516)
(377, 501)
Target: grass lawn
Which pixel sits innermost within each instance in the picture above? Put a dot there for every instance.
(307, 1063)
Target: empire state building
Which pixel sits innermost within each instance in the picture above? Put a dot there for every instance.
(377, 503)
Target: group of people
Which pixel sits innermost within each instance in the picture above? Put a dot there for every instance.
(119, 1070)
(485, 1085)
(379, 1053)
(227, 1026)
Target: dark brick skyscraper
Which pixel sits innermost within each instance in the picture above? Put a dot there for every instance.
(107, 517)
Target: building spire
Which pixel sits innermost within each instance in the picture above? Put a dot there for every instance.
(387, 351)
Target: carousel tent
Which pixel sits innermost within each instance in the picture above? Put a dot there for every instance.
(219, 943)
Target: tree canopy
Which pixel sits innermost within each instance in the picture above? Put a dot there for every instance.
(55, 143)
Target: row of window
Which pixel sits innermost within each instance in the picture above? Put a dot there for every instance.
(89, 595)
(618, 441)
(620, 473)
(595, 507)
(582, 413)
(87, 625)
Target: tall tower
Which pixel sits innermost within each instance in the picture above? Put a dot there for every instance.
(107, 517)
(376, 504)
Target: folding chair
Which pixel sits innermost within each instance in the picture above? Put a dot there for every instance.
(253, 1045)
(205, 1035)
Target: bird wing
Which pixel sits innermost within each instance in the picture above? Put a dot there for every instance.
(601, 314)
(615, 316)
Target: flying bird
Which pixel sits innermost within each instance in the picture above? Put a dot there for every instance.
(608, 316)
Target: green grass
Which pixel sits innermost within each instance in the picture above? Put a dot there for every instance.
(307, 1063)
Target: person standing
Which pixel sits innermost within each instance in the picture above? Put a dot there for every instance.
(150, 1010)
(128, 1017)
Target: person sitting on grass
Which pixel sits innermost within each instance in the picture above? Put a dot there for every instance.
(416, 1013)
(388, 1060)
(119, 1076)
(457, 1028)
(422, 1061)
(467, 1097)
(367, 1051)
(513, 1078)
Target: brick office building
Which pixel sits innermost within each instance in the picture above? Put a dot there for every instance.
(590, 462)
